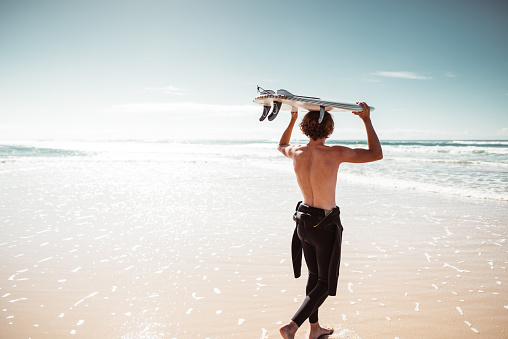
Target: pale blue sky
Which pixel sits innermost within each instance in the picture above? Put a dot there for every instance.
(189, 69)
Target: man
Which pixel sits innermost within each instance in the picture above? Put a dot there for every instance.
(318, 229)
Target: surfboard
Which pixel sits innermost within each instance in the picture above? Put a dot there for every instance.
(286, 101)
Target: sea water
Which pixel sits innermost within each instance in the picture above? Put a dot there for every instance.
(476, 169)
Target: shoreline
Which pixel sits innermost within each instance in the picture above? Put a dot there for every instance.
(464, 168)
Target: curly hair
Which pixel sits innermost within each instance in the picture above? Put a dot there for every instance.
(315, 130)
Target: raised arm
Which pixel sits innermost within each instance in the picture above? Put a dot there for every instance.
(359, 155)
(284, 146)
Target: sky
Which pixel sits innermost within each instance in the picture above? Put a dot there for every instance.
(167, 69)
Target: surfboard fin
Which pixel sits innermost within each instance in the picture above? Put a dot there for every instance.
(275, 110)
(321, 113)
(266, 109)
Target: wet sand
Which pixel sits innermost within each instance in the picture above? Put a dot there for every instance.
(137, 249)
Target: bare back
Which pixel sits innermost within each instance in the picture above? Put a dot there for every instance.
(316, 170)
(316, 165)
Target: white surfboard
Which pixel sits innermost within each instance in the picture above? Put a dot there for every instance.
(286, 101)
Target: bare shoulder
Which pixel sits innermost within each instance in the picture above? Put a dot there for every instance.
(289, 150)
(340, 150)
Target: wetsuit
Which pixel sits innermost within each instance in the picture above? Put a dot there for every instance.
(318, 234)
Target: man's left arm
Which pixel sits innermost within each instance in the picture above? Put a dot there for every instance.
(284, 146)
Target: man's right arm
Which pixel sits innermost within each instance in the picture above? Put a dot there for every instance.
(360, 155)
(284, 146)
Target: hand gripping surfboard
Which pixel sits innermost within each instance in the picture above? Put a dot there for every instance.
(286, 101)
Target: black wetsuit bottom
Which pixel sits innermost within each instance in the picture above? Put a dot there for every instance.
(317, 247)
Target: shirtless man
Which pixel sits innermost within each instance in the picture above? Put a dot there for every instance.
(318, 229)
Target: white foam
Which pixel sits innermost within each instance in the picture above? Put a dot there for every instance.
(259, 286)
(458, 270)
(45, 259)
(16, 300)
(88, 296)
(349, 287)
(410, 183)
(472, 328)
(79, 302)
(480, 142)
(91, 295)
(194, 295)
(460, 310)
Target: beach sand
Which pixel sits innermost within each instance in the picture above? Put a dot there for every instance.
(195, 249)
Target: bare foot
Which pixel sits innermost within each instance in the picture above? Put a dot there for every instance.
(317, 331)
(288, 331)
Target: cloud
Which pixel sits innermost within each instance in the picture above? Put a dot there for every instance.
(171, 90)
(449, 75)
(187, 108)
(402, 75)
(374, 80)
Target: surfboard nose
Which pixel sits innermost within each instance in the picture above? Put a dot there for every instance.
(265, 91)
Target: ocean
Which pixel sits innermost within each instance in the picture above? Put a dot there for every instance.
(476, 169)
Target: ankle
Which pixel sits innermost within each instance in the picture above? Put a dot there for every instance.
(289, 329)
(315, 325)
